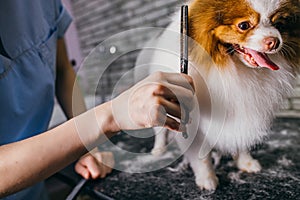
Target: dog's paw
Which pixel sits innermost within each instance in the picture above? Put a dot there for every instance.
(249, 166)
(208, 183)
(158, 151)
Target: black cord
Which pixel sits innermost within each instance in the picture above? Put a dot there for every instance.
(82, 186)
(76, 189)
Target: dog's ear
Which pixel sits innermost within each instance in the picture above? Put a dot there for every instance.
(287, 20)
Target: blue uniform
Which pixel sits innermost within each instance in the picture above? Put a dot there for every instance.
(29, 30)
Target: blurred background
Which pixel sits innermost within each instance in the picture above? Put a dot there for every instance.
(94, 21)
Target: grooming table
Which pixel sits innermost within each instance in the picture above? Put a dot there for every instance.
(279, 178)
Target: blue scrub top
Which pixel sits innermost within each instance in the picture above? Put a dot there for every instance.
(29, 30)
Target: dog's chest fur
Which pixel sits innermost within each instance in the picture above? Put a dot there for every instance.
(242, 103)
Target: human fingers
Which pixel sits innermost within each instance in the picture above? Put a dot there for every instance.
(175, 93)
(105, 161)
(171, 107)
(176, 100)
(82, 170)
(159, 117)
(92, 166)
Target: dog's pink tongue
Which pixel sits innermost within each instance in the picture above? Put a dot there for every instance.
(262, 59)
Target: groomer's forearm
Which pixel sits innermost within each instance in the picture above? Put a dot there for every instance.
(29, 161)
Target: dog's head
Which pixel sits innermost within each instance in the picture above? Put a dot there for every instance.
(249, 29)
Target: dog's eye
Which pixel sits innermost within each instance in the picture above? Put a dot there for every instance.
(244, 26)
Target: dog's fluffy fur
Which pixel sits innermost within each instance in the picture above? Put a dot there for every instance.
(239, 89)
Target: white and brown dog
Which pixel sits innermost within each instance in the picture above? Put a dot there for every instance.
(254, 50)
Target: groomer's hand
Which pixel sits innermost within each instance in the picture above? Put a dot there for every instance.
(153, 101)
(95, 165)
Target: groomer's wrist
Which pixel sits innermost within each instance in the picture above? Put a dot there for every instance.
(96, 125)
(105, 118)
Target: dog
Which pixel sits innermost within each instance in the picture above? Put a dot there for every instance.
(243, 57)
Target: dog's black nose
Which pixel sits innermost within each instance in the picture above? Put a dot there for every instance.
(271, 43)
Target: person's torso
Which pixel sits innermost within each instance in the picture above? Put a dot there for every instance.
(28, 32)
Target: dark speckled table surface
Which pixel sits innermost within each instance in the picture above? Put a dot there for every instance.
(279, 178)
